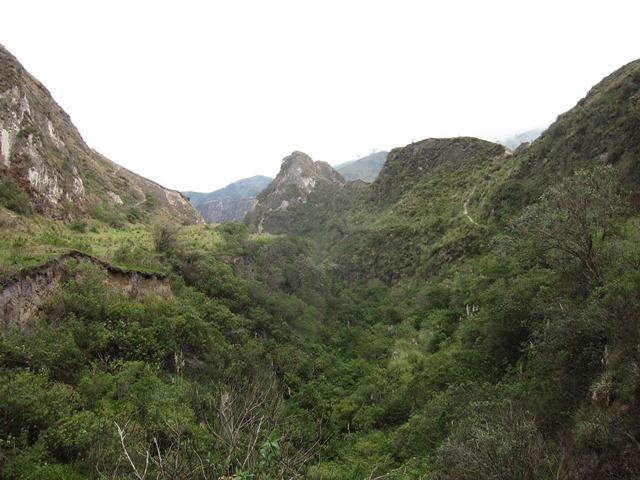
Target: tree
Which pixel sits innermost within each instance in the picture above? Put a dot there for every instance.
(498, 443)
(573, 220)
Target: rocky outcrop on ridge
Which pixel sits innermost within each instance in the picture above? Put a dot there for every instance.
(299, 176)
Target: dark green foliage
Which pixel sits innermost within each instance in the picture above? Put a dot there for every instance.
(13, 197)
(572, 221)
(444, 323)
(165, 238)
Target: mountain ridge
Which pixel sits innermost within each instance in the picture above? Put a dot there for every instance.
(43, 154)
(230, 203)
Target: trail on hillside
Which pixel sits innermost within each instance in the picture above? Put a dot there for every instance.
(465, 207)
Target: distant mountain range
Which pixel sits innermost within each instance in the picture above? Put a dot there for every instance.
(516, 140)
(235, 200)
(231, 202)
(365, 168)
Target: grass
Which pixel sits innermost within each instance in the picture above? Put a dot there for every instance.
(26, 241)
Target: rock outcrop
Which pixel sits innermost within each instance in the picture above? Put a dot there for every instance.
(231, 202)
(22, 295)
(42, 152)
(299, 176)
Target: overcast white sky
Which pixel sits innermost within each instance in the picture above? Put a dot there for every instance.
(197, 94)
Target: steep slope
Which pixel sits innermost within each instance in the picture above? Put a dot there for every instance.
(231, 202)
(366, 168)
(298, 178)
(43, 154)
(429, 206)
(602, 129)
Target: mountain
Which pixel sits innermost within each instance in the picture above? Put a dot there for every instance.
(231, 202)
(46, 166)
(365, 168)
(298, 178)
(471, 313)
(435, 201)
(516, 140)
(430, 204)
(602, 129)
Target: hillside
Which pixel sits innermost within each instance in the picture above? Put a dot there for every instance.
(469, 314)
(602, 129)
(47, 167)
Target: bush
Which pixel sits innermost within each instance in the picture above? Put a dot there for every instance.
(165, 238)
(13, 197)
(79, 226)
(502, 443)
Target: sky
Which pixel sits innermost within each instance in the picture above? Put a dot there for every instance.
(197, 94)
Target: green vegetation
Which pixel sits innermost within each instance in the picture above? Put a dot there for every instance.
(452, 324)
(14, 198)
(515, 362)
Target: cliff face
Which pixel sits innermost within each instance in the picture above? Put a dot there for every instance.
(226, 209)
(43, 153)
(299, 176)
(231, 202)
(23, 295)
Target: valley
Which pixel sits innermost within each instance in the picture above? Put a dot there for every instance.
(469, 312)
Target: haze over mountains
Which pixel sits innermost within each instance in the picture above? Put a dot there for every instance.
(237, 199)
(231, 202)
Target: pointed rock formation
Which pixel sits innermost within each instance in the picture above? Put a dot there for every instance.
(299, 176)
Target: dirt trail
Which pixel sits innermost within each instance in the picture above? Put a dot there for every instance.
(465, 207)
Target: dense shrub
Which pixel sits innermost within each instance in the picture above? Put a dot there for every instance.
(13, 197)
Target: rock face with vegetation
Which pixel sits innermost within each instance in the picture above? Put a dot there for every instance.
(231, 202)
(298, 178)
(470, 314)
(46, 166)
(23, 295)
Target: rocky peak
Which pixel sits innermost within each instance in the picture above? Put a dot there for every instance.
(299, 176)
(300, 170)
